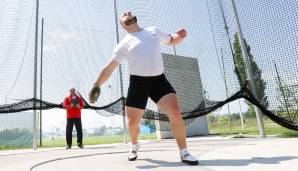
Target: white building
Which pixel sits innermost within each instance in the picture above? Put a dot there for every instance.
(184, 75)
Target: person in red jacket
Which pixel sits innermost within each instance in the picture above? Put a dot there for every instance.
(73, 105)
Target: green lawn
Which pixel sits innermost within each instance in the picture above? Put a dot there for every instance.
(271, 128)
(90, 140)
(3, 148)
(93, 140)
(219, 128)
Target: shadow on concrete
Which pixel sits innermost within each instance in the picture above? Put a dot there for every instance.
(244, 162)
(160, 163)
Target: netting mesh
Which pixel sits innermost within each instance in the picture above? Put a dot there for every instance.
(272, 43)
(79, 37)
(269, 32)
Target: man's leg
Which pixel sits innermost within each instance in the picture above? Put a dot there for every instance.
(169, 104)
(69, 126)
(134, 115)
(78, 125)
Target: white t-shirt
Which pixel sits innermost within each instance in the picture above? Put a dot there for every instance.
(142, 51)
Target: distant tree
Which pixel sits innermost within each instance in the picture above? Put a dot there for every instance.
(101, 130)
(259, 83)
(288, 98)
(235, 116)
(250, 111)
(212, 119)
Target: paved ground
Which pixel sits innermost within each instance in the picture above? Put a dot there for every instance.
(214, 153)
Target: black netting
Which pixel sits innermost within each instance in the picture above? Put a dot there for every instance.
(208, 70)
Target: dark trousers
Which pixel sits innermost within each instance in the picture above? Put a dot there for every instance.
(69, 126)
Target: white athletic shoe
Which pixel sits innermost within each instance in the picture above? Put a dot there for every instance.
(133, 153)
(188, 158)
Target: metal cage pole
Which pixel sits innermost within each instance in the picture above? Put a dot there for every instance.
(40, 84)
(248, 70)
(121, 76)
(34, 142)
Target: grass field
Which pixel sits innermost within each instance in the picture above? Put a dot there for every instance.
(251, 128)
(93, 140)
(89, 140)
(221, 128)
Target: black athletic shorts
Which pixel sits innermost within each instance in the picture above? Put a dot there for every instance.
(140, 88)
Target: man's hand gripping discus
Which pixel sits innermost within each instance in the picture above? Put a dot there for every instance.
(94, 93)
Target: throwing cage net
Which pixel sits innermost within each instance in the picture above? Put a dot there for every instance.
(208, 69)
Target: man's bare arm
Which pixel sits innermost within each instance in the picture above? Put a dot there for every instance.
(177, 37)
(106, 72)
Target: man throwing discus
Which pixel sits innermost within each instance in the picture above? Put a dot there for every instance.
(141, 48)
